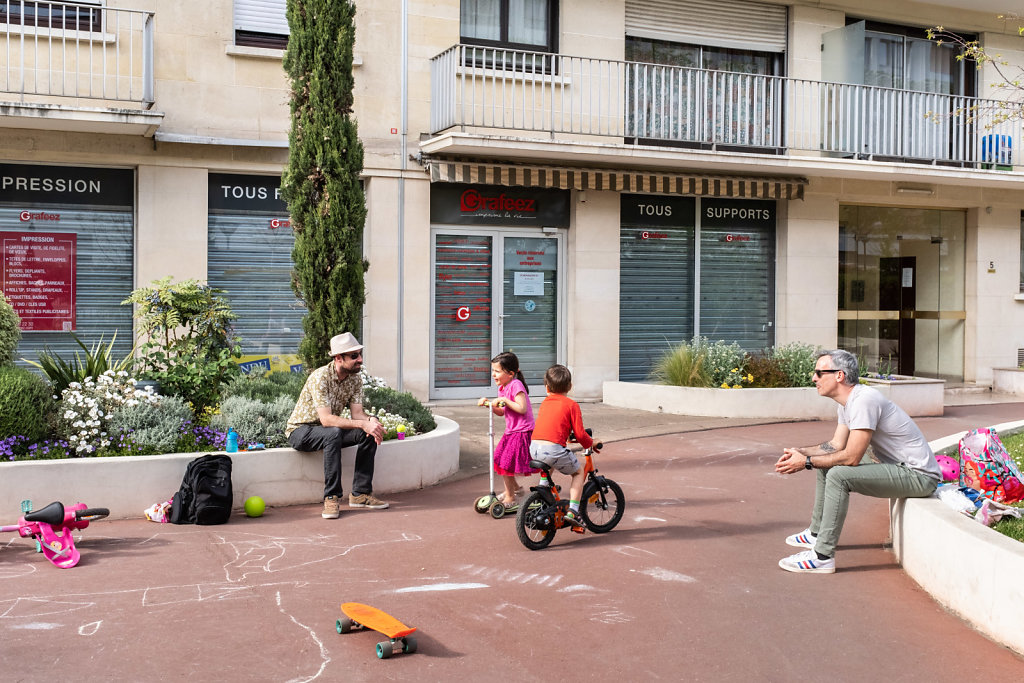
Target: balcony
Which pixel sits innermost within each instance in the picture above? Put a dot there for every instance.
(76, 67)
(492, 91)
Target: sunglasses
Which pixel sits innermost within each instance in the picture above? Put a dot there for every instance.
(352, 356)
(819, 373)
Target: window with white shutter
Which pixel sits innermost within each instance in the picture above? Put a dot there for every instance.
(261, 23)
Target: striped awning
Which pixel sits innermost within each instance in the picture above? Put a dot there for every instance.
(617, 180)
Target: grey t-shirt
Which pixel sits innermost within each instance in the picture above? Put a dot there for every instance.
(896, 439)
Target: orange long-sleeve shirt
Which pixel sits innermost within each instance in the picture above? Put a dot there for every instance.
(557, 416)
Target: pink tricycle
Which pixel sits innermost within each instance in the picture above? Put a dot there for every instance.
(51, 527)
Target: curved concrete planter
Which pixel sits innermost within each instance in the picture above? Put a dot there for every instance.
(968, 568)
(916, 396)
(281, 476)
(801, 403)
(1008, 381)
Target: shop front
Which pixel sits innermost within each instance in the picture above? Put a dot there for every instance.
(250, 258)
(498, 283)
(692, 267)
(68, 236)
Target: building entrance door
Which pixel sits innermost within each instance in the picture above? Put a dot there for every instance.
(901, 290)
(494, 290)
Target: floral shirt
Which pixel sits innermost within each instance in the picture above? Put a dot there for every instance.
(324, 389)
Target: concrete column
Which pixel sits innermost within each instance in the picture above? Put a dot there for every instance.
(171, 234)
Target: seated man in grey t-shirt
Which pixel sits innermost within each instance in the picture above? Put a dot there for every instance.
(906, 466)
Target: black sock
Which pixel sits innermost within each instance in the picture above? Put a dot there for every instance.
(822, 557)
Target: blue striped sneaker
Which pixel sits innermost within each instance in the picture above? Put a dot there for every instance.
(808, 562)
(804, 539)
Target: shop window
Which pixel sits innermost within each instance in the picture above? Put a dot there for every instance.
(82, 16)
(261, 23)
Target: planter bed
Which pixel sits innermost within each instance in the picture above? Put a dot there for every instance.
(281, 476)
(968, 568)
(919, 397)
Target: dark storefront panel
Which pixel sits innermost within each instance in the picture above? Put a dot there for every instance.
(462, 310)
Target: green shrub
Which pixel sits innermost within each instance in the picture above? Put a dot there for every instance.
(266, 389)
(97, 360)
(400, 403)
(154, 426)
(26, 404)
(256, 421)
(723, 362)
(191, 347)
(682, 366)
(10, 331)
(766, 372)
(797, 360)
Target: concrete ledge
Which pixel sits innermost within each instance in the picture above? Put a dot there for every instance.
(281, 476)
(968, 568)
(918, 396)
(1008, 381)
(800, 403)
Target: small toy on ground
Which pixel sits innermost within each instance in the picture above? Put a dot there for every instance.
(51, 528)
(359, 616)
(254, 506)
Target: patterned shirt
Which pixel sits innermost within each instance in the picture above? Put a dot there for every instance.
(324, 389)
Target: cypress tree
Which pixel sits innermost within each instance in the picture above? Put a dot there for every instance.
(321, 182)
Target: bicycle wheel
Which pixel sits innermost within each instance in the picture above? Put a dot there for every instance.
(91, 514)
(534, 526)
(602, 506)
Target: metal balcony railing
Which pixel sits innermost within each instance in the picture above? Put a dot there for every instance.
(481, 87)
(76, 50)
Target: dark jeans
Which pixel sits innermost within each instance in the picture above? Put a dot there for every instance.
(331, 440)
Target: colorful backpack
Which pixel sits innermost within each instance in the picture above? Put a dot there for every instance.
(986, 467)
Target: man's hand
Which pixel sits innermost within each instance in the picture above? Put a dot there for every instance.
(374, 428)
(791, 462)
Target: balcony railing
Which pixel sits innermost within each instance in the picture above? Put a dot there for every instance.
(68, 50)
(653, 104)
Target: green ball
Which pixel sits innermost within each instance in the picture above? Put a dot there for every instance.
(254, 506)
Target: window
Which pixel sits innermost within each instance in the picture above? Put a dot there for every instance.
(517, 24)
(83, 16)
(261, 23)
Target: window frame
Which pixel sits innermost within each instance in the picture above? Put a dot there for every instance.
(550, 46)
(90, 19)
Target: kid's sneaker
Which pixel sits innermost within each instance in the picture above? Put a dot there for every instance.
(808, 562)
(804, 539)
(573, 518)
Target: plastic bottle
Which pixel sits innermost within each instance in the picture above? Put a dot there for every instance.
(232, 441)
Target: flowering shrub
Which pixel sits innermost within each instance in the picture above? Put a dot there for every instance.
(18, 448)
(704, 363)
(389, 421)
(86, 408)
(797, 360)
(723, 362)
(735, 379)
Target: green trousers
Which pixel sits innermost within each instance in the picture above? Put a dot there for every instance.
(878, 480)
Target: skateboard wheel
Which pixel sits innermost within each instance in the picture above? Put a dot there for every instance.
(343, 625)
(498, 510)
(384, 649)
(408, 645)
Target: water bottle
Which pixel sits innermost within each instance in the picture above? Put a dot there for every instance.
(232, 441)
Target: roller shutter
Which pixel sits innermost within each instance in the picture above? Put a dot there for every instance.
(261, 16)
(738, 24)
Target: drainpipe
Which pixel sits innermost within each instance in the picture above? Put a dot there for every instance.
(402, 156)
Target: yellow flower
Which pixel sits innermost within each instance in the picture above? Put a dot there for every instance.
(736, 386)
(735, 369)
(750, 378)
(725, 385)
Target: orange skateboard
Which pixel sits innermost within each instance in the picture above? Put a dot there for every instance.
(360, 616)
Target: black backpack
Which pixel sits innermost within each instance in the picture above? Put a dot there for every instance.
(205, 495)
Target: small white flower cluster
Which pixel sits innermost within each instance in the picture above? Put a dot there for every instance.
(371, 382)
(86, 407)
(389, 421)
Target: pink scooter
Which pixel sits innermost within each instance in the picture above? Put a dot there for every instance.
(51, 528)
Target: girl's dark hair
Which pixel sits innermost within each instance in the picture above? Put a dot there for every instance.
(509, 362)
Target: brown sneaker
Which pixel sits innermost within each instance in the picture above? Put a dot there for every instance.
(366, 500)
(332, 508)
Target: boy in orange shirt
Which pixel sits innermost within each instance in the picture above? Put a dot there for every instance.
(557, 416)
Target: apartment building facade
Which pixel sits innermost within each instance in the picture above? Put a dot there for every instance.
(579, 181)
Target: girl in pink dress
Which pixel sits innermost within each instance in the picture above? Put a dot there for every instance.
(512, 454)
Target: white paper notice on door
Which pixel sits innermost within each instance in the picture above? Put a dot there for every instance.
(908, 277)
(529, 283)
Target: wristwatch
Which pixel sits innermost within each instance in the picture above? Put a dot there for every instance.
(807, 463)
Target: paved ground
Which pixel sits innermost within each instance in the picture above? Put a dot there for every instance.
(686, 588)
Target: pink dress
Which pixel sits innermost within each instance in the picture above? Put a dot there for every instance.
(512, 454)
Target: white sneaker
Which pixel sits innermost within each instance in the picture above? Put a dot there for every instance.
(804, 539)
(808, 562)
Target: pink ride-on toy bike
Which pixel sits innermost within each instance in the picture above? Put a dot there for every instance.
(52, 528)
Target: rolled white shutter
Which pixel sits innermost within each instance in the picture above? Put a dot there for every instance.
(261, 16)
(738, 24)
